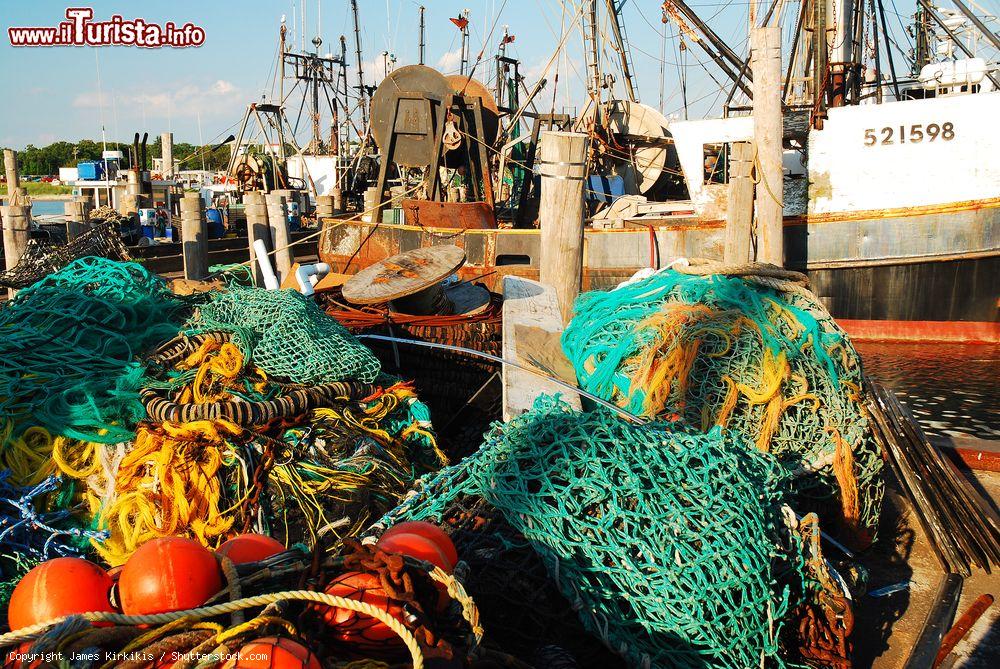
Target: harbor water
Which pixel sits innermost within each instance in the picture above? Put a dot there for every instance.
(952, 389)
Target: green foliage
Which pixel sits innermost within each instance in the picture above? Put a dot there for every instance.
(46, 160)
(40, 188)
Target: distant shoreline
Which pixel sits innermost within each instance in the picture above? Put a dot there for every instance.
(49, 198)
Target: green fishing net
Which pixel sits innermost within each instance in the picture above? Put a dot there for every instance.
(761, 358)
(288, 336)
(664, 540)
(68, 347)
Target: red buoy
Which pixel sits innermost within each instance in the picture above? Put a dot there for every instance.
(273, 653)
(250, 547)
(416, 546)
(56, 588)
(168, 574)
(429, 531)
(360, 631)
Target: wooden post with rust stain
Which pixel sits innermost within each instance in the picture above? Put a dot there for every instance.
(10, 167)
(563, 168)
(765, 47)
(739, 208)
(194, 237)
(277, 221)
(16, 220)
(257, 228)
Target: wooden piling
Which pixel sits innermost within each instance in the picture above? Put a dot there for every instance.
(562, 164)
(325, 206)
(765, 47)
(739, 209)
(257, 228)
(16, 220)
(167, 153)
(76, 219)
(10, 167)
(277, 221)
(194, 237)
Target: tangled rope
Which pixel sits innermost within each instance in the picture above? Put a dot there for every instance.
(225, 443)
(755, 353)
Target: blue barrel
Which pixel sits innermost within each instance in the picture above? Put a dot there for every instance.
(216, 229)
(294, 219)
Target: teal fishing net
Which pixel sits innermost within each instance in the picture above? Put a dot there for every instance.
(664, 540)
(758, 356)
(288, 336)
(68, 347)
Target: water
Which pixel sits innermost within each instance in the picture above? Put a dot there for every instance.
(47, 207)
(952, 389)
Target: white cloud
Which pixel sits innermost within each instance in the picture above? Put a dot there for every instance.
(180, 100)
(450, 62)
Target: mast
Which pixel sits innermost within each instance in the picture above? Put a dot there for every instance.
(590, 49)
(465, 43)
(820, 59)
(622, 48)
(922, 36)
(840, 37)
(317, 134)
(422, 43)
(361, 74)
(498, 91)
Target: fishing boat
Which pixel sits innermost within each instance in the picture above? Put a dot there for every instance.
(890, 199)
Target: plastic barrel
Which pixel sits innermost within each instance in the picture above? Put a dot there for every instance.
(214, 224)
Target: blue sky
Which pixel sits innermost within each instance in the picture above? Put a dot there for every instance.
(52, 93)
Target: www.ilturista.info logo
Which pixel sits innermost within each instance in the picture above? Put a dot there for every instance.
(80, 30)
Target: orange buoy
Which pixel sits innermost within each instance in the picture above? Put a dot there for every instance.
(168, 574)
(56, 588)
(273, 653)
(360, 631)
(416, 546)
(250, 547)
(429, 531)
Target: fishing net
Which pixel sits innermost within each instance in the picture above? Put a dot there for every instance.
(42, 257)
(68, 345)
(757, 355)
(288, 336)
(663, 540)
(519, 604)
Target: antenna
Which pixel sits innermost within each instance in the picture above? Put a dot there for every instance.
(465, 42)
(422, 44)
(361, 73)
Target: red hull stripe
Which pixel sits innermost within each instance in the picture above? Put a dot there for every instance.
(969, 332)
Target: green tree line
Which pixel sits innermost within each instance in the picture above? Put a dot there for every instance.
(46, 160)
